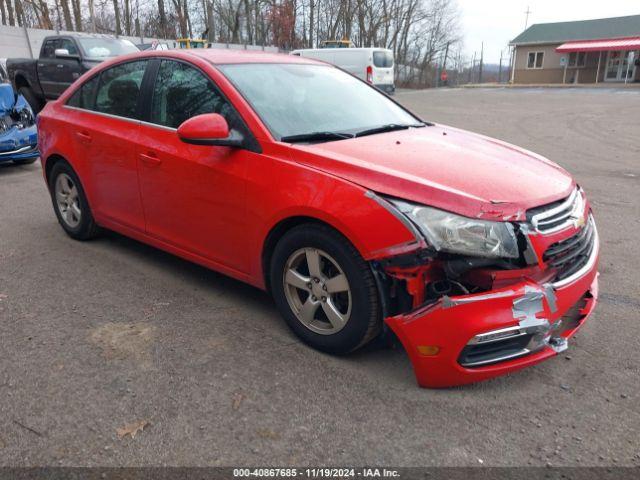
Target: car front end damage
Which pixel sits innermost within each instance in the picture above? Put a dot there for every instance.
(464, 319)
(18, 131)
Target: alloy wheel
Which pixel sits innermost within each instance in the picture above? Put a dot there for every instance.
(68, 200)
(317, 291)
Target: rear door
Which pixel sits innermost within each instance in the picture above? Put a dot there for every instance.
(383, 67)
(106, 127)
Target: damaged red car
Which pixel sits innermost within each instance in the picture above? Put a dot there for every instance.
(359, 217)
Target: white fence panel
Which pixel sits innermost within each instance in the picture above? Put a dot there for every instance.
(13, 42)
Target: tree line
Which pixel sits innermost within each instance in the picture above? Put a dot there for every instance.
(424, 35)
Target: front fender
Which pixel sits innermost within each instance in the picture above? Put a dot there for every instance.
(300, 191)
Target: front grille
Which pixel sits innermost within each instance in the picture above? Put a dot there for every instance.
(557, 215)
(570, 255)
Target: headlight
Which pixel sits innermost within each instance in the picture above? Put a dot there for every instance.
(453, 233)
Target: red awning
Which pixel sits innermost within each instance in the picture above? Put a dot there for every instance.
(632, 43)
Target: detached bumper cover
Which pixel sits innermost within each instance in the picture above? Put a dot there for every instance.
(544, 316)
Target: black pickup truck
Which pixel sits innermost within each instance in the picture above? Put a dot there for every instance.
(63, 59)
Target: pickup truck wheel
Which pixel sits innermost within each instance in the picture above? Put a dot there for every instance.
(34, 102)
(324, 289)
(70, 203)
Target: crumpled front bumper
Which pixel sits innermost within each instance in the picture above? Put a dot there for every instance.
(19, 144)
(447, 326)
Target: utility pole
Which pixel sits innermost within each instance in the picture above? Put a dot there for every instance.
(500, 69)
(473, 66)
(481, 62)
(526, 19)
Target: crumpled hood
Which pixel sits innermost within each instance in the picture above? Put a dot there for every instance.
(12, 134)
(444, 167)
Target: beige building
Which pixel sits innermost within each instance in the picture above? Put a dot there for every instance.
(589, 51)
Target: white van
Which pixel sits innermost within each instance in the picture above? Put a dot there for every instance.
(374, 65)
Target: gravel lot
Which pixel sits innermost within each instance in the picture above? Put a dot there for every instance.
(97, 336)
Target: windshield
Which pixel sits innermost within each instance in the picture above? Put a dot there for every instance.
(294, 99)
(106, 47)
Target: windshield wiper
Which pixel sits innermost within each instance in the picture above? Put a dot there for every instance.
(391, 127)
(316, 137)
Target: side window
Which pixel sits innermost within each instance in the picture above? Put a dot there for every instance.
(182, 92)
(119, 88)
(84, 97)
(49, 48)
(69, 45)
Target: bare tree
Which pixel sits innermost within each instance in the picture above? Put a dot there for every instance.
(116, 11)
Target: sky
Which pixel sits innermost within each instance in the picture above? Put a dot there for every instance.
(497, 21)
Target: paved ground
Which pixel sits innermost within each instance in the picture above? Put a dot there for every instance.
(95, 336)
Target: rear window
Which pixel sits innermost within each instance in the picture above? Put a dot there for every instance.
(382, 59)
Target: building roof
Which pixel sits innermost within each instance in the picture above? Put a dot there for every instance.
(602, 28)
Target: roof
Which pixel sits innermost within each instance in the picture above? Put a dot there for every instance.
(222, 56)
(600, 29)
(625, 44)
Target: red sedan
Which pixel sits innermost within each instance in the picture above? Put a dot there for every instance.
(357, 216)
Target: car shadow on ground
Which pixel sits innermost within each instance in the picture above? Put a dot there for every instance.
(385, 350)
(383, 358)
(9, 168)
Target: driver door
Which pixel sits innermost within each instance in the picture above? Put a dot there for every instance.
(193, 196)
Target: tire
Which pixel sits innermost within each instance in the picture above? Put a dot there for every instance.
(26, 161)
(357, 308)
(80, 226)
(34, 102)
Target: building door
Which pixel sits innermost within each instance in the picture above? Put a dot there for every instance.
(618, 67)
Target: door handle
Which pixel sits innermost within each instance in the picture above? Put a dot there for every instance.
(150, 159)
(60, 65)
(84, 137)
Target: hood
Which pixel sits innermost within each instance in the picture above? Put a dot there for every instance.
(446, 168)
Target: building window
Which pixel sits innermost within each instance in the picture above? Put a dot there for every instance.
(577, 59)
(535, 59)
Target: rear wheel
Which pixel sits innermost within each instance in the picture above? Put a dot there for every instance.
(70, 203)
(324, 289)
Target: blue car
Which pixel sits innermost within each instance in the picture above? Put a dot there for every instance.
(18, 131)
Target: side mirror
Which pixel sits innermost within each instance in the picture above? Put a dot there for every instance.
(209, 129)
(63, 53)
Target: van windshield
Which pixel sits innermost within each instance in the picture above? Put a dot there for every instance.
(296, 99)
(383, 59)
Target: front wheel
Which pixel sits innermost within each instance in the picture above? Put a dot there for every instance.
(324, 289)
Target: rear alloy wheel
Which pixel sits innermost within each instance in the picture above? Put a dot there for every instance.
(70, 202)
(324, 289)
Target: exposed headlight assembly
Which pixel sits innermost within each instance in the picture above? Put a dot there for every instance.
(448, 232)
